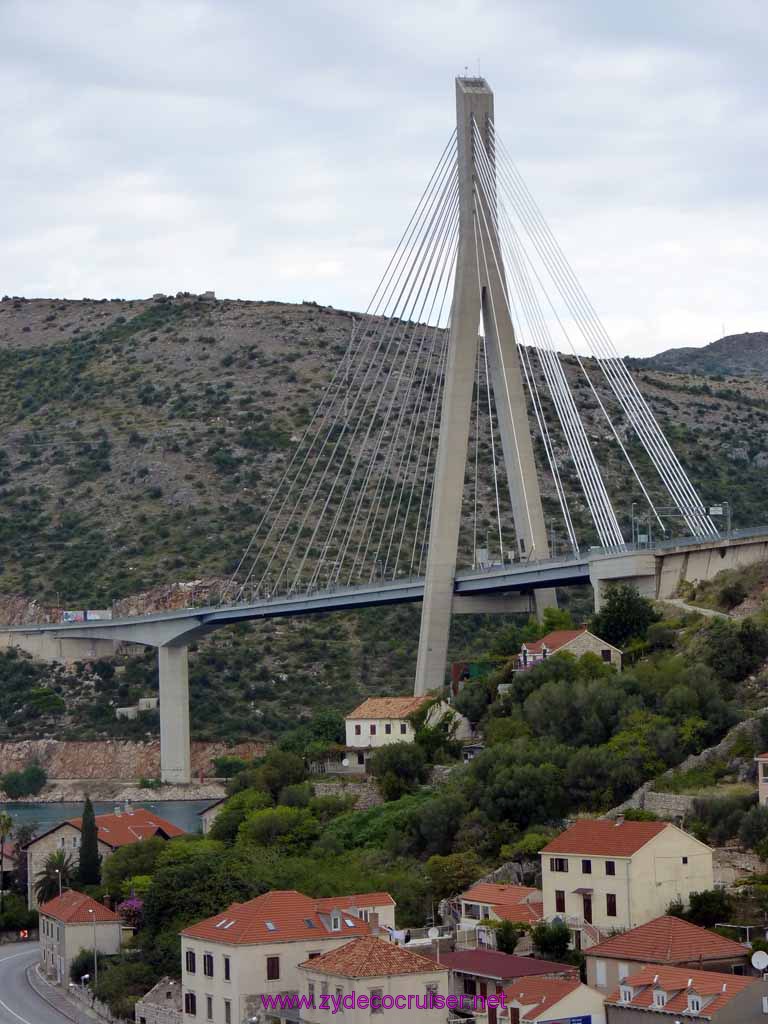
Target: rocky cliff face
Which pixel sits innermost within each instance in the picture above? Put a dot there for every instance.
(121, 760)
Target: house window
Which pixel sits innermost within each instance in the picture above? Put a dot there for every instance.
(190, 961)
(659, 998)
(559, 901)
(273, 968)
(605, 654)
(227, 1012)
(388, 728)
(335, 922)
(208, 965)
(765, 770)
(209, 1007)
(313, 954)
(610, 902)
(694, 1004)
(625, 994)
(610, 867)
(339, 997)
(361, 758)
(472, 911)
(586, 867)
(558, 864)
(514, 1015)
(601, 974)
(470, 986)
(311, 993)
(685, 860)
(190, 1004)
(404, 730)
(623, 971)
(431, 995)
(358, 730)
(375, 1003)
(373, 730)
(227, 969)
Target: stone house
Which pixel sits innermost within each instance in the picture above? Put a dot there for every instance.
(251, 949)
(73, 922)
(373, 977)
(161, 1005)
(571, 641)
(671, 994)
(602, 875)
(669, 942)
(762, 779)
(209, 814)
(124, 827)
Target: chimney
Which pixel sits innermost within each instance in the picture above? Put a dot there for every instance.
(619, 819)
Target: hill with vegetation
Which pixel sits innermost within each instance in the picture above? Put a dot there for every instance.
(139, 442)
(736, 355)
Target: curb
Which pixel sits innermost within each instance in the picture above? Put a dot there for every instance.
(54, 1004)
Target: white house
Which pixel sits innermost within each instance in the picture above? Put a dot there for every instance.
(229, 961)
(369, 976)
(73, 922)
(379, 721)
(602, 875)
(554, 1001)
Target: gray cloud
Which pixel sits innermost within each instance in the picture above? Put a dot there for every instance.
(276, 150)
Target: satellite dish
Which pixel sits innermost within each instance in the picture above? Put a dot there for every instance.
(434, 933)
(760, 960)
(345, 763)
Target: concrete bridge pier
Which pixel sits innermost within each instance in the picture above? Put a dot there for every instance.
(175, 750)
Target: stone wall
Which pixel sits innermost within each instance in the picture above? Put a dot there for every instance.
(123, 760)
(366, 793)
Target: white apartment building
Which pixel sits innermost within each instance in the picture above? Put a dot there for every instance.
(230, 960)
(601, 876)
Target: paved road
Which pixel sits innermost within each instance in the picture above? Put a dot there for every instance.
(708, 613)
(19, 1004)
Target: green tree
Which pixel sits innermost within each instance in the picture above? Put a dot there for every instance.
(552, 940)
(624, 616)
(286, 828)
(136, 859)
(89, 871)
(453, 873)
(226, 766)
(6, 824)
(235, 811)
(399, 768)
(58, 870)
(709, 907)
(507, 937)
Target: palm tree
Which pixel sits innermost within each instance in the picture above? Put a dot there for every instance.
(6, 824)
(59, 870)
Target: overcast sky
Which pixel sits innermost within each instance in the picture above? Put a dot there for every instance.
(276, 150)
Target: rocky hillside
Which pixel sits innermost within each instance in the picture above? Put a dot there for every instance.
(737, 355)
(139, 441)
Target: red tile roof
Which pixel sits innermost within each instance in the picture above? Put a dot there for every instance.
(605, 838)
(677, 983)
(388, 707)
(73, 908)
(510, 902)
(130, 826)
(555, 640)
(543, 992)
(358, 899)
(291, 914)
(370, 957)
(489, 963)
(668, 940)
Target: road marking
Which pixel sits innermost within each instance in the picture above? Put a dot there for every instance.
(13, 1012)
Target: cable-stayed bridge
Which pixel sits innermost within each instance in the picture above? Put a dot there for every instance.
(452, 442)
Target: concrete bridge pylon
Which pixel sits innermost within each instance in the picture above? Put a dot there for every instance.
(479, 298)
